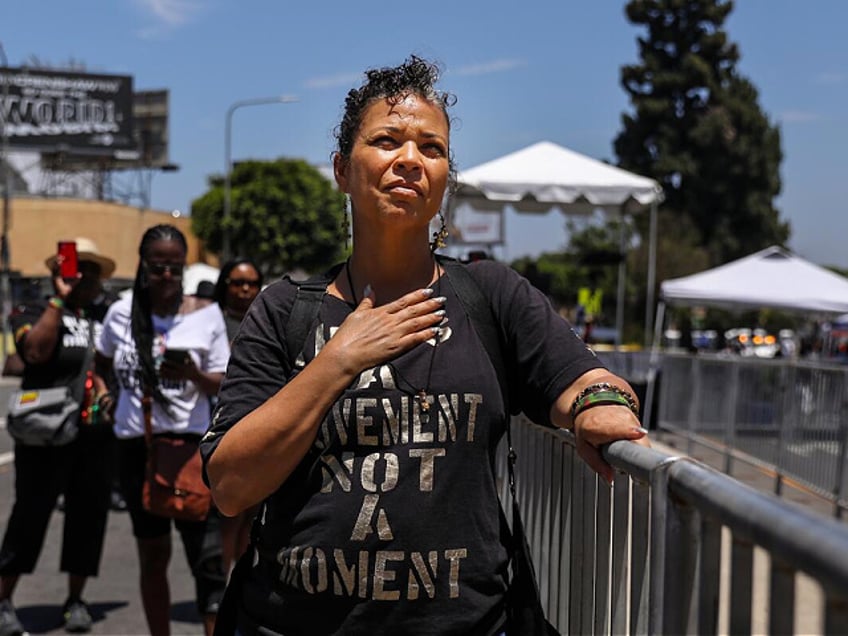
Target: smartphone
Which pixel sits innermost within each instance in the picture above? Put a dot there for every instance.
(69, 266)
(177, 356)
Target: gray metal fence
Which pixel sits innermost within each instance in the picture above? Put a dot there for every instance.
(790, 416)
(646, 556)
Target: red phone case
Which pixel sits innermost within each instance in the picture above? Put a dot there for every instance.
(68, 251)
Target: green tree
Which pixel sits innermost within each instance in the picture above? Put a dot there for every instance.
(283, 213)
(697, 128)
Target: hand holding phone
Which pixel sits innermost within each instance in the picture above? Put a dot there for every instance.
(68, 263)
(177, 356)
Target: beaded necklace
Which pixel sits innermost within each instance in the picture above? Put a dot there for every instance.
(419, 395)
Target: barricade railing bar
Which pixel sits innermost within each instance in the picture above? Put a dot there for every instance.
(790, 416)
(647, 556)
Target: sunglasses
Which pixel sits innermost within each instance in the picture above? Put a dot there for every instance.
(160, 269)
(241, 282)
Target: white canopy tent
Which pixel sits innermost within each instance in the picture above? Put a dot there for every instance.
(771, 278)
(544, 176)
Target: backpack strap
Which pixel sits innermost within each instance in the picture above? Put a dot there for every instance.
(479, 310)
(304, 311)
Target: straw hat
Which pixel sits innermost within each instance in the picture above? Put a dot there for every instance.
(87, 251)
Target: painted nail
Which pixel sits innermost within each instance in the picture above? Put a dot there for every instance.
(440, 299)
(367, 291)
(437, 331)
(644, 431)
(444, 322)
(439, 312)
(427, 291)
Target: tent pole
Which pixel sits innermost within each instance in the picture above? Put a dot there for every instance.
(653, 366)
(622, 275)
(652, 272)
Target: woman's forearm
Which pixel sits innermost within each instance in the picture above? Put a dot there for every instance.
(262, 450)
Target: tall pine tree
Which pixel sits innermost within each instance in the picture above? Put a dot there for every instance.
(697, 128)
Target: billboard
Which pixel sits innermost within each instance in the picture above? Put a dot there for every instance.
(55, 111)
(150, 133)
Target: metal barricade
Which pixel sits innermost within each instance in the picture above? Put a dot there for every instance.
(646, 556)
(789, 416)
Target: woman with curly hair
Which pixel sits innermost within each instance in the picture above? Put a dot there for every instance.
(371, 447)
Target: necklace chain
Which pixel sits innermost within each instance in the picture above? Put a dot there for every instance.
(421, 394)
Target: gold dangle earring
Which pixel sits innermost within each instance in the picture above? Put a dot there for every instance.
(439, 237)
(346, 223)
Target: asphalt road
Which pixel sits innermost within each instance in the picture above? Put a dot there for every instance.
(114, 595)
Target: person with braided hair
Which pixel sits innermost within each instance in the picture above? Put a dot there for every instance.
(136, 333)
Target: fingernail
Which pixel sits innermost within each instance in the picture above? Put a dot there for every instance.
(439, 312)
(367, 290)
(437, 331)
(444, 322)
(644, 431)
(427, 291)
(440, 299)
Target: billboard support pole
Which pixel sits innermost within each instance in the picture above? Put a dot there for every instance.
(5, 287)
(228, 124)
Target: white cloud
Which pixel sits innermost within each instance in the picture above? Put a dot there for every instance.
(798, 116)
(331, 81)
(485, 68)
(170, 13)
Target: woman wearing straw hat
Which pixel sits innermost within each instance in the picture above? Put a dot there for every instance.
(53, 337)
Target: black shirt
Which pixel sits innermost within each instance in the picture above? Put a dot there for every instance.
(392, 523)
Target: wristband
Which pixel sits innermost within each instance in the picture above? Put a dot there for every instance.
(600, 394)
(56, 302)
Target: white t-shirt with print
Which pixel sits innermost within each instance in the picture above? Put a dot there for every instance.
(202, 332)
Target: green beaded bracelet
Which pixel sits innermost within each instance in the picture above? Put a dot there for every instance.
(600, 394)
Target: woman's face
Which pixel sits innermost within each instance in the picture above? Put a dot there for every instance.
(399, 164)
(242, 287)
(164, 264)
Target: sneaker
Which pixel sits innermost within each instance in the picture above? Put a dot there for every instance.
(117, 502)
(77, 617)
(9, 623)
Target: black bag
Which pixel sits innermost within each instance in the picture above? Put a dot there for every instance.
(525, 615)
(43, 417)
(50, 416)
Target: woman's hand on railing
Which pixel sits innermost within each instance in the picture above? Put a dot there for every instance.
(604, 424)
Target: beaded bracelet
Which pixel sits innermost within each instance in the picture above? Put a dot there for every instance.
(56, 302)
(600, 394)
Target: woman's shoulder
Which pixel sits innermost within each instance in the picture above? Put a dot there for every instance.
(121, 307)
(492, 275)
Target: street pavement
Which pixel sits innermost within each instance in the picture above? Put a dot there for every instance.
(113, 596)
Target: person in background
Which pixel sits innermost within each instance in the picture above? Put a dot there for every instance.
(52, 338)
(238, 284)
(205, 291)
(136, 332)
(372, 447)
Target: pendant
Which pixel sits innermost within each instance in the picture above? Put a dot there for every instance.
(424, 407)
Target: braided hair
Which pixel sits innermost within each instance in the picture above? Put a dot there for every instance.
(142, 314)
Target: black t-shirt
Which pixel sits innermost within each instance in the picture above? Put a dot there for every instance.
(391, 524)
(63, 366)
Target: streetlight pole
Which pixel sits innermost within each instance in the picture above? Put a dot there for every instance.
(5, 287)
(280, 99)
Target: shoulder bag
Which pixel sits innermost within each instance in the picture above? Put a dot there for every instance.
(50, 417)
(173, 484)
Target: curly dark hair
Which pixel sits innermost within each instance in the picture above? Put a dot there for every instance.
(416, 76)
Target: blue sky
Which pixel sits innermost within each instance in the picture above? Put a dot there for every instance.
(522, 72)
